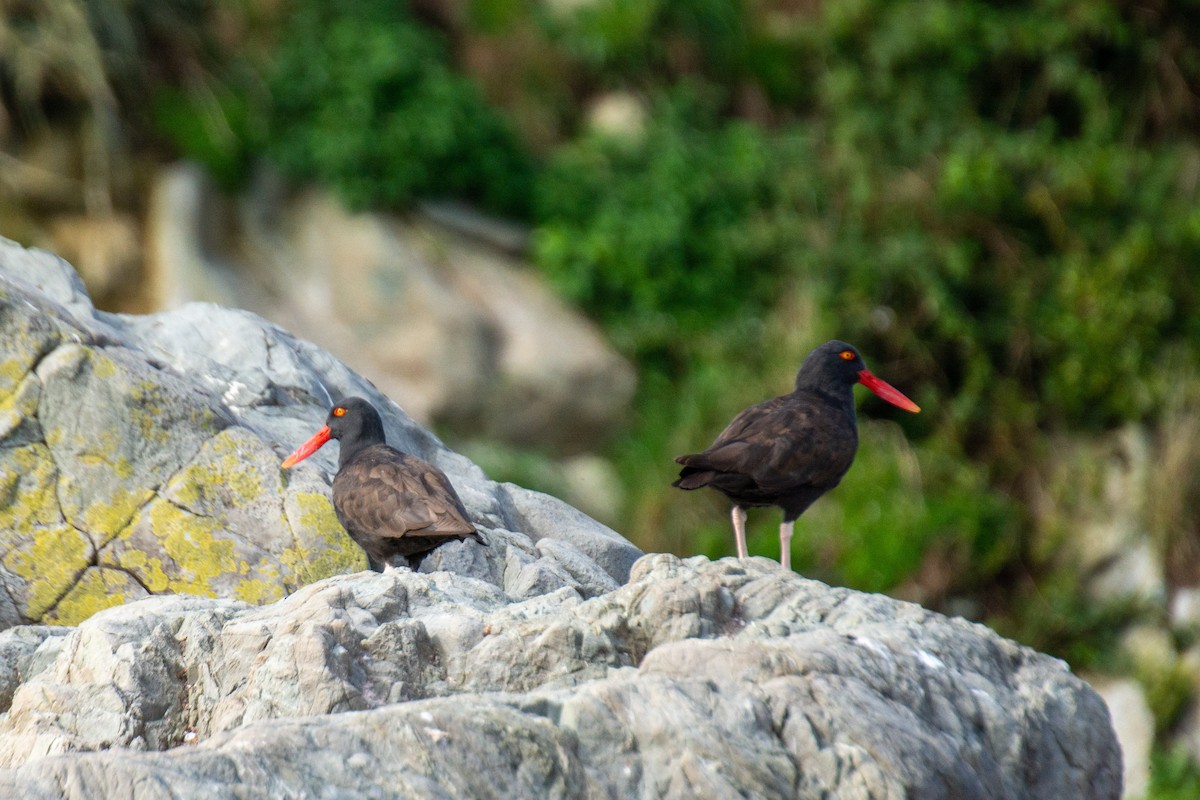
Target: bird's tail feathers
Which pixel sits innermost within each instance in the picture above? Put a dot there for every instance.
(692, 477)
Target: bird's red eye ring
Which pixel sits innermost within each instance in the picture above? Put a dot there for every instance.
(847, 355)
(339, 412)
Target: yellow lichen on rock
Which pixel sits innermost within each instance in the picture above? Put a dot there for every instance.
(39, 547)
(323, 548)
(27, 336)
(27, 490)
(49, 561)
(13, 371)
(150, 400)
(103, 367)
(19, 406)
(222, 474)
(105, 518)
(99, 588)
(148, 569)
(260, 591)
(194, 544)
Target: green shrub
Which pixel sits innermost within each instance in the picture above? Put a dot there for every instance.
(217, 127)
(656, 42)
(365, 100)
(668, 235)
(1174, 775)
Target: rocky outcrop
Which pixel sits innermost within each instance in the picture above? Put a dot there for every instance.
(433, 305)
(140, 455)
(696, 679)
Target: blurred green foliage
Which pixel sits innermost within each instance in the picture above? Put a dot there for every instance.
(659, 238)
(366, 101)
(1174, 775)
(214, 126)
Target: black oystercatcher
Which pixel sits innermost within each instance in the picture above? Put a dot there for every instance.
(393, 504)
(789, 451)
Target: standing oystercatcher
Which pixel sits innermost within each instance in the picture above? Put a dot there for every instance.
(393, 504)
(790, 450)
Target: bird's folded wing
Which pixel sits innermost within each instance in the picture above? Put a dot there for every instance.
(394, 500)
(778, 446)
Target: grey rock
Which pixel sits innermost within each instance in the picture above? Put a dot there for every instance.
(140, 456)
(586, 574)
(540, 515)
(696, 679)
(24, 652)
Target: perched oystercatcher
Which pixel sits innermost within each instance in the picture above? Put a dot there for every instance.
(391, 503)
(789, 451)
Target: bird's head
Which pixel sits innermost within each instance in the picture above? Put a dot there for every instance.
(353, 420)
(837, 363)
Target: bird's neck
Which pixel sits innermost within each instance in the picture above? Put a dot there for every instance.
(836, 396)
(353, 445)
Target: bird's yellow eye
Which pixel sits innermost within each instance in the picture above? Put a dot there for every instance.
(339, 412)
(847, 355)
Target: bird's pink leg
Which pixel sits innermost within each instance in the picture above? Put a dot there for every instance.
(739, 530)
(785, 545)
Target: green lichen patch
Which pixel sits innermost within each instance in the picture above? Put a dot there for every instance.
(322, 548)
(49, 560)
(99, 588)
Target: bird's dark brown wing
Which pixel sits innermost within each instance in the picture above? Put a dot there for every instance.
(775, 447)
(390, 494)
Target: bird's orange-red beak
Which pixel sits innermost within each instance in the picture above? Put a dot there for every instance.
(885, 391)
(314, 444)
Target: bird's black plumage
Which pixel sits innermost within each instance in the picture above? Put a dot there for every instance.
(393, 504)
(790, 450)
